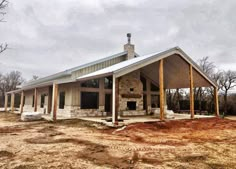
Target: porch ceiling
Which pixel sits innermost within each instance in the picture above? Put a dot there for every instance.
(176, 73)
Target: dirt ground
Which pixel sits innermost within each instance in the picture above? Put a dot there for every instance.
(200, 143)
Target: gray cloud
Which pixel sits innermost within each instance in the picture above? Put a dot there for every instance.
(49, 36)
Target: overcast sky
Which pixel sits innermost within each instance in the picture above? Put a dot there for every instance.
(47, 36)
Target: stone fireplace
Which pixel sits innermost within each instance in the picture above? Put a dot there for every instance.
(131, 95)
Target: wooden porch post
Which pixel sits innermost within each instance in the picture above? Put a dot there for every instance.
(161, 86)
(191, 91)
(6, 102)
(35, 99)
(54, 101)
(12, 102)
(216, 101)
(22, 102)
(115, 100)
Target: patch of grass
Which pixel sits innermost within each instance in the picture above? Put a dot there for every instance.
(25, 167)
(10, 117)
(4, 153)
(219, 166)
(192, 158)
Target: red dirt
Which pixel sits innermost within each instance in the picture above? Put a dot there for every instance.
(199, 143)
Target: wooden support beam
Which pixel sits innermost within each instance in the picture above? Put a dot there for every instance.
(191, 96)
(115, 100)
(22, 102)
(216, 102)
(54, 101)
(161, 86)
(12, 102)
(35, 99)
(6, 102)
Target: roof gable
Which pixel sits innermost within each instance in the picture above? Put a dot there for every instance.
(137, 63)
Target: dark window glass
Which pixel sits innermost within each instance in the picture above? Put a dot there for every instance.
(89, 100)
(23, 100)
(91, 83)
(108, 82)
(61, 100)
(33, 101)
(144, 82)
(144, 102)
(154, 87)
(155, 100)
(42, 100)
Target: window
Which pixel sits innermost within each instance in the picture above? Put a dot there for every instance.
(131, 89)
(61, 100)
(89, 100)
(91, 83)
(108, 82)
(144, 82)
(155, 100)
(131, 105)
(42, 100)
(154, 88)
(23, 100)
(33, 101)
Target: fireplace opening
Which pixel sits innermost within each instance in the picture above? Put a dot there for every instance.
(131, 105)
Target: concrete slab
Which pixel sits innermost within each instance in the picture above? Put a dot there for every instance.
(137, 119)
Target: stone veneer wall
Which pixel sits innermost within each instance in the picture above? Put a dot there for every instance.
(28, 108)
(131, 80)
(77, 112)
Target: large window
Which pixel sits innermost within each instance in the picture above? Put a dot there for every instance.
(155, 100)
(91, 83)
(61, 100)
(42, 100)
(89, 100)
(154, 87)
(144, 82)
(108, 82)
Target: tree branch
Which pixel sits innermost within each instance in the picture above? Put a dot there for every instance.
(3, 47)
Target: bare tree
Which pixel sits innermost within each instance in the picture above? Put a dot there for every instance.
(9, 82)
(209, 68)
(227, 81)
(3, 5)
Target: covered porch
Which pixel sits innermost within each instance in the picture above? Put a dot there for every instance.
(167, 70)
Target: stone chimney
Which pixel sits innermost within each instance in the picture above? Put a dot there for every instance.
(129, 48)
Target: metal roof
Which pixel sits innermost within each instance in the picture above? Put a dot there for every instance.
(127, 66)
(69, 71)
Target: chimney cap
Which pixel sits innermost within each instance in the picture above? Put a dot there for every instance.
(129, 37)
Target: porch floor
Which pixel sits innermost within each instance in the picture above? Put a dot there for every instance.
(135, 119)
